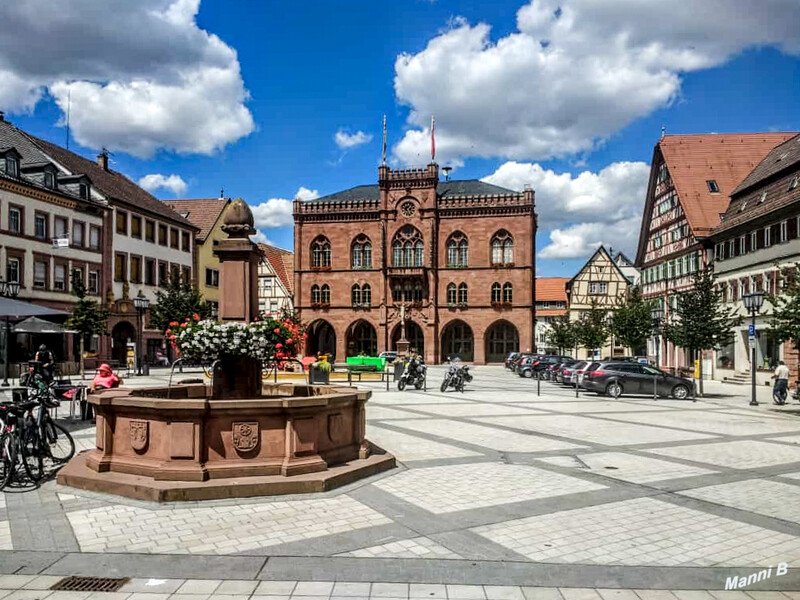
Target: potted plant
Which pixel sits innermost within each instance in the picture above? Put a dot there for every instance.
(236, 349)
(320, 371)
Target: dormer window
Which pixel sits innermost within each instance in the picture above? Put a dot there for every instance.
(49, 180)
(793, 183)
(83, 191)
(763, 197)
(12, 166)
(712, 186)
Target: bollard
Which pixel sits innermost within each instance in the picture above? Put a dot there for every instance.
(655, 387)
(538, 386)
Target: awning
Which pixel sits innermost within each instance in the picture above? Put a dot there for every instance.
(16, 310)
(37, 325)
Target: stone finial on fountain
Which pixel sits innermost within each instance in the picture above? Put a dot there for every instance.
(239, 222)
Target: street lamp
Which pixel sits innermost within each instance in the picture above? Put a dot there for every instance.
(9, 289)
(657, 315)
(753, 303)
(142, 303)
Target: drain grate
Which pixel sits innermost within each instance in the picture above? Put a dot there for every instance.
(90, 584)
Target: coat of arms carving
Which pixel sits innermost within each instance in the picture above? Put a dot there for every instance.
(139, 434)
(335, 427)
(245, 436)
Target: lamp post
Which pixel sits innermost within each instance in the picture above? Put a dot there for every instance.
(9, 289)
(753, 302)
(142, 303)
(657, 315)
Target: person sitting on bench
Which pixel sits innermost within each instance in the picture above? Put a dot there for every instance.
(104, 379)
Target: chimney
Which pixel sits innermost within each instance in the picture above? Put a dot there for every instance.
(2, 116)
(102, 159)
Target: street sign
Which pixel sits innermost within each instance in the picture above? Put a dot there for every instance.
(751, 331)
(752, 343)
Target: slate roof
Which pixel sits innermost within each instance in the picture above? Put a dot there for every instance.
(465, 187)
(781, 157)
(10, 136)
(112, 184)
(282, 263)
(726, 158)
(772, 176)
(202, 212)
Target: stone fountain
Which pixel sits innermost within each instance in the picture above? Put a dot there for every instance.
(236, 437)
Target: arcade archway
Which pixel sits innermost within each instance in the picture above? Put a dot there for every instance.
(122, 333)
(457, 340)
(501, 339)
(362, 339)
(321, 339)
(414, 336)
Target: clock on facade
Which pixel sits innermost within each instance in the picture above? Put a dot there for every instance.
(408, 208)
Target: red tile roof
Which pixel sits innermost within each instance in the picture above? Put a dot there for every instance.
(726, 158)
(203, 212)
(282, 262)
(552, 289)
(551, 312)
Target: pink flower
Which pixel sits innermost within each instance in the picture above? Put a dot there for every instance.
(173, 336)
(173, 324)
(289, 341)
(196, 317)
(279, 345)
(277, 330)
(184, 325)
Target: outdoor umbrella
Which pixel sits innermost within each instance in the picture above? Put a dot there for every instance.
(37, 325)
(12, 311)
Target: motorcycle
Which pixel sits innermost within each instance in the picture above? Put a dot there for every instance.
(413, 374)
(456, 376)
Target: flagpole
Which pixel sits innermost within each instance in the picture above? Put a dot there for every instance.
(383, 158)
(433, 139)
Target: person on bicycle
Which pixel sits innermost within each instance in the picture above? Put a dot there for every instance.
(781, 377)
(45, 359)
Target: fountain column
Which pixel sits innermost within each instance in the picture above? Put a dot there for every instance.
(238, 269)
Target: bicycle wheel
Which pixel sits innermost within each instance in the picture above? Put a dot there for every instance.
(8, 459)
(60, 445)
(32, 453)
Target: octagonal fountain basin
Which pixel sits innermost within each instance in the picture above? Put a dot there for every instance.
(181, 443)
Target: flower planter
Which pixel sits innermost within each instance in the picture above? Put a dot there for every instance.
(236, 377)
(317, 375)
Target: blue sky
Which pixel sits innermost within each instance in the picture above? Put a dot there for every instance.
(248, 96)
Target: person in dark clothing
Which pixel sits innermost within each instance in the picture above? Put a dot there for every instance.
(46, 361)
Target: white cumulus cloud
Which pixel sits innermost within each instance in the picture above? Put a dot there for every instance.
(582, 210)
(277, 212)
(136, 76)
(155, 181)
(573, 73)
(347, 140)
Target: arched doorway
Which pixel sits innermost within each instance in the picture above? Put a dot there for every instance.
(414, 336)
(362, 339)
(122, 333)
(501, 338)
(321, 339)
(457, 339)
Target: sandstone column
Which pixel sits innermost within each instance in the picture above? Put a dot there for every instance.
(238, 270)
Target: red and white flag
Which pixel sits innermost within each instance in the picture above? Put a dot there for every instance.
(433, 139)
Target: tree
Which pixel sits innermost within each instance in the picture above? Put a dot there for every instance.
(785, 320)
(178, 300)
(561, 334)
(88, 318)
(700, 320)
(592, 328)
(632, 324)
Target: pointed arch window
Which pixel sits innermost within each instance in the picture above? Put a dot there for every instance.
(366, 295)
(321, 253)
(408, 248)
(502, 248)
(362, 252)
(462, 293)
(496, 293)
(355, 295)
(508, 293)
(315, 294)
(452, 293)
(397, 292)
(457, 250)
(325, 294)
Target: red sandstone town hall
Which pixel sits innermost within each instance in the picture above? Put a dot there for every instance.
(455, 259)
